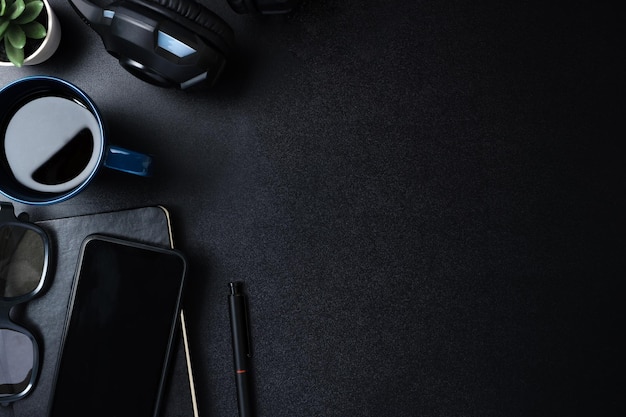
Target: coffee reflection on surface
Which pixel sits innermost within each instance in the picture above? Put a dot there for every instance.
(52, 143)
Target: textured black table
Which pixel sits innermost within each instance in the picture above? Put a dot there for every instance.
(424, 199)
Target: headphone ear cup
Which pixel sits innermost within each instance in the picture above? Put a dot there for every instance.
(203, 21)
(169, 43)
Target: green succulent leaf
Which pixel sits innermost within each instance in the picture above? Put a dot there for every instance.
(3, 7)
(30, 13)
(16, 36)
(4, 24)
(15, 9)
(15, 55)
(34, 30)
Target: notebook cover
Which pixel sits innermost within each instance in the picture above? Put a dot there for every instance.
(45, 315)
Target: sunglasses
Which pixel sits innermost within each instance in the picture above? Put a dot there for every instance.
(24, 259)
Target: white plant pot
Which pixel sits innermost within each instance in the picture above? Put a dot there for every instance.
(50, 42)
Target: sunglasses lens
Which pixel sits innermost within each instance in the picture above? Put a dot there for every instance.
(22, 261)
(16, 362)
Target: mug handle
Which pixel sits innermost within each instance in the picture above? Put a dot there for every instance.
(128, 161)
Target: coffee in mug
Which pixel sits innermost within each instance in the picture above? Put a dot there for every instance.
(51, 143)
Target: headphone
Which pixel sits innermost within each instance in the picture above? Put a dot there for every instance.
(170, 43)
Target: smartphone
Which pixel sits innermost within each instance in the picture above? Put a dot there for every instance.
(119, 330)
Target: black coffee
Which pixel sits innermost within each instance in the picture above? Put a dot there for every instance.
(52, 144)
(68, 162)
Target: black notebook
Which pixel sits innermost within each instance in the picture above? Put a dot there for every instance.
(45, 315)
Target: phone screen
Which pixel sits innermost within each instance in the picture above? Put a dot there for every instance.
(119, 330)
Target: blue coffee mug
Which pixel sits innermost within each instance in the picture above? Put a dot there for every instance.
(53, 142)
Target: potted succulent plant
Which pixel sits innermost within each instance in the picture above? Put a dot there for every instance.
(29, 32)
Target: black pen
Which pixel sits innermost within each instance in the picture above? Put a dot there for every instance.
(241, 348)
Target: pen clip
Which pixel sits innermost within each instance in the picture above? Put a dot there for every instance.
(239, 299)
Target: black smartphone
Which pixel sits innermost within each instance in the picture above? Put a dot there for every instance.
(119, 330)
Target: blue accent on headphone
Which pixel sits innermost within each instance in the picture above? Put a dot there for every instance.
(173, 45)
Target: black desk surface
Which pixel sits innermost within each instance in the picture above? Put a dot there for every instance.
(424, 199)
